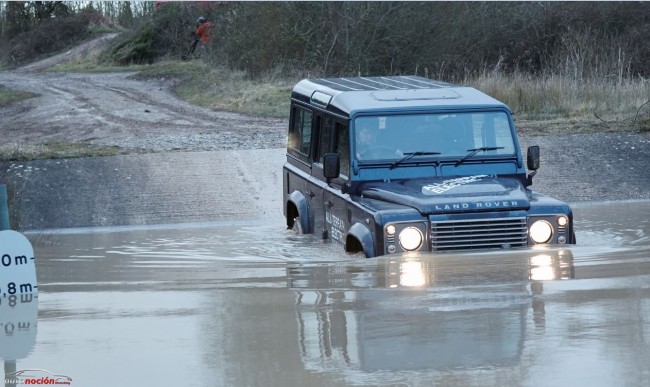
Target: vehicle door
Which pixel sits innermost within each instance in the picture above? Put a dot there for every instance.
(335, 197)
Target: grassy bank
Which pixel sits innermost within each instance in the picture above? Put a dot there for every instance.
(599, 104)
(554, 97)
(559, 104)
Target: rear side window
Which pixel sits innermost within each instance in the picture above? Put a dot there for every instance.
(300, 131)
(343, 148)
(326, 133)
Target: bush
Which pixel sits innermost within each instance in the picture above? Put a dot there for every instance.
(168, 33)
(50, 36)
(133, 48)
(443, 40)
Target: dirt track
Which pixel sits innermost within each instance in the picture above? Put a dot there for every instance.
(116, 110)
(232, 181)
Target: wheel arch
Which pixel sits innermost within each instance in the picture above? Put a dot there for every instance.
(297, 208)
(359, 239)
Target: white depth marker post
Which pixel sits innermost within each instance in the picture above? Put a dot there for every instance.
(17, 268)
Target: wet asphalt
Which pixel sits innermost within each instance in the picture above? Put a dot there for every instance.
(228, 185)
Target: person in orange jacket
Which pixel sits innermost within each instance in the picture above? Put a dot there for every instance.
(202, 32)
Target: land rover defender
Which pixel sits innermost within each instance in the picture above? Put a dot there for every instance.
(395, 164)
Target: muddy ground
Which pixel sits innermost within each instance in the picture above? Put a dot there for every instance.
(183, 163)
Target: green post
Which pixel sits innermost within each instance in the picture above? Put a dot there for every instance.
(4, 208)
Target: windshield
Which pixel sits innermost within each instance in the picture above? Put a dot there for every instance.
(433, 135)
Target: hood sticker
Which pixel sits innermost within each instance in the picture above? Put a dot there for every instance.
(440, 188)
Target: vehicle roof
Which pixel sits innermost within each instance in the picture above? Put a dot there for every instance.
(356, 94)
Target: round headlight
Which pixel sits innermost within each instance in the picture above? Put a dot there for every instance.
(541, 231)
(562, 221)
(410, 238)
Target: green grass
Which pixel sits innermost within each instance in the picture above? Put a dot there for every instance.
(7, 95)
(53, 150)
(234, 92)
(90, 64)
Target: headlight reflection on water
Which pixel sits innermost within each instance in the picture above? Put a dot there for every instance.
(546, 267)
(541, 268)
(412, 274)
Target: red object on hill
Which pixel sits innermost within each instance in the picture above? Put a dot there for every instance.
(203, 31)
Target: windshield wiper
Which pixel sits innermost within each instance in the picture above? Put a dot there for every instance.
(474, 151)
(410, 155)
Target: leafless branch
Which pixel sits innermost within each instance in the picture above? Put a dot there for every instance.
(639, 110)
(606, 122)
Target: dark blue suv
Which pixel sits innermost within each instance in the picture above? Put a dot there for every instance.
(394, 164)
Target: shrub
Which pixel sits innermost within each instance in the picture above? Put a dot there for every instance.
(133, 48)
(51, 36)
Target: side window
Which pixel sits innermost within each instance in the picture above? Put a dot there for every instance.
(300, 131)
(343, 148)
(326, 133)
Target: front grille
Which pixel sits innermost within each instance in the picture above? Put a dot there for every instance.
(478, 234)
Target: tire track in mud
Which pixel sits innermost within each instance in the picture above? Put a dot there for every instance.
(179, 107)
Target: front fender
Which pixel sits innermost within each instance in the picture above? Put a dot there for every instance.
(363, 234)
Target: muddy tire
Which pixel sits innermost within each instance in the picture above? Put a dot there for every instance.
(297, 226)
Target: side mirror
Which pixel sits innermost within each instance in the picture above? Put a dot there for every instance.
(533, 158)
(532, 163)
(331, 166)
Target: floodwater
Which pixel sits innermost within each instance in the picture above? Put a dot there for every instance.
(251, 304)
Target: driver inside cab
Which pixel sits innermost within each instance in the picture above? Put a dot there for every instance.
(366, 140)
(372, 142)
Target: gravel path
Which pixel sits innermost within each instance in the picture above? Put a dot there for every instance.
(116, 110)
(593, 167)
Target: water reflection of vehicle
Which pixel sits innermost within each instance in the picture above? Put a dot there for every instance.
(420, 312)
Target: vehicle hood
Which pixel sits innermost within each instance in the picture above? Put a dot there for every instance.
(452, 194)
